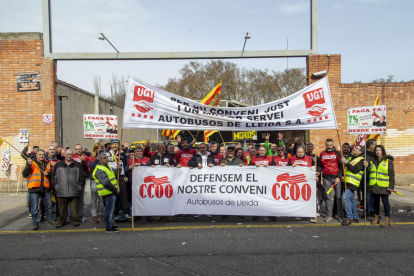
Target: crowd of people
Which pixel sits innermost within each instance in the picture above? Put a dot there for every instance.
(57, 176)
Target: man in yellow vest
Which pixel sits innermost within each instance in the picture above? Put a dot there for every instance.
(107, 186)
(354, 172)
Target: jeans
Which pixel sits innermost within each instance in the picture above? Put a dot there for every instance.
(122, 198)
(327, 184)
(385, 202)
(97, 206)
(109, 210)
(350, 205)
(34, 206)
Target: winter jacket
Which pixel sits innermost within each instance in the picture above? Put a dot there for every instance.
(198, 160)
(33, 169)
(68, 179)
(375, 189)
(358, 167)
(104, 180)
(234, 162)
(161, 160)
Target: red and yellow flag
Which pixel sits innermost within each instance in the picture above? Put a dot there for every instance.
(212, 99)
(360, 140)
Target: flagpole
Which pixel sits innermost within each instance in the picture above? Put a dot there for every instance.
(365, 186)
(119, 155)
(340, 146)
(221, 137)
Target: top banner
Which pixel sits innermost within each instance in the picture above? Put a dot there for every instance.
(147, 106)
(367, 120)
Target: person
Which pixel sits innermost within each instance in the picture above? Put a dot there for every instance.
(380, 122)
(122, 198)
(230, 159)
(32, 154)
(51, 158)
(216, 154)
(303, 160)
(171, 151)
(320, 192)
(223, 151)
(309, 150)
(107, 147)
(68, 177)
(161, 157)
(354, 172)
(176, 148)
(185, 154)
(330, 167)
(147, 151)
(107, 186)
(246, 154)
(263, 160)
(370, 154)
(272, 150)
(97, 205)
(239, 154)
(37, 171)
(252, 153)
(381, 183)
(282, 158)
(200, 160)
(126, 146)
(80, 157)
(292, 149)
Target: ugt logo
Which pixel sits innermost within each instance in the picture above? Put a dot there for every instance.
(153, 187)
(312, 98)
(143, 96)
(285, 182)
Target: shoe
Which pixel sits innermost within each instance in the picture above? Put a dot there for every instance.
(36, 226)
(158, 218)
(179, 216)
(116, 218)
(224, 217)
(95, 219)
(376, 220)
(255, 218)
(347, 222)
(76, 224)
(208, 216)
(273, 218)
(170, 219)
(327, 219)
(298, 219)
(360, 207)
(112, 230)
(341, 220)
(355, 220)
(84, 219)
(127, 216)
(60, 225)
(386, 223)
(50, 223)
(312, 220)
(101, 217)
(115, 227)
(197, 216)
(149, 219)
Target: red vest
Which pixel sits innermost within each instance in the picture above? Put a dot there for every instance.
(267, 160)
(305, 161)
(280, 161)
(183, 156)
(330, 163)
(217, 158)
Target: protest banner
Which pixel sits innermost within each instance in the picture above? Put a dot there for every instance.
(367, 120)
(230, 190)
(147, 106)
(100, 126)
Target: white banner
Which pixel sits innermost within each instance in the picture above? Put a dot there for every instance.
(230, 190)
(367, 120)
(100, 126)
(147, 106)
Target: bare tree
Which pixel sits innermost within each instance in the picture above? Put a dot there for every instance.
(97, 85)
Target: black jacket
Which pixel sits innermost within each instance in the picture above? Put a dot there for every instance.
(161, 160)
(358, 167)
(196, 159)
(68, 179)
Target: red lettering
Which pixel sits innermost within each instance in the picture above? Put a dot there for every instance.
(274, 191)
(314, 97)
(294, 192)
(306, 192)
(159, 191)
(150, 195)
(283, 191)
(141, 190)
(168, 191)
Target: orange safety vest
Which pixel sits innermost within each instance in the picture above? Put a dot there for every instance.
(35, 178)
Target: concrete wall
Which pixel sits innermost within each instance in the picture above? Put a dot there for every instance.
(80, 102)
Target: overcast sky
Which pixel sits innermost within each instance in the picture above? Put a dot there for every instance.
(374, 37)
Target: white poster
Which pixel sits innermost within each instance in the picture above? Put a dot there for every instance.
(100, 126)
(367, 120)
(147, 106)
(24, 136)
(231, 190)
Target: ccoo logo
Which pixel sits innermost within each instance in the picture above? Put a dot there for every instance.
(143, 96)
(153, 187)
(290, 188)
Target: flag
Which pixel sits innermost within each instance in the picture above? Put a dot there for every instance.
(360, 140)
(212, 99)
(166, 132)
(1, 141)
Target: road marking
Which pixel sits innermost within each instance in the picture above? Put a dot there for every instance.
(193, 228)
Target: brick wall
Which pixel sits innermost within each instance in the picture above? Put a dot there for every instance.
(398, 97)
(22, 52)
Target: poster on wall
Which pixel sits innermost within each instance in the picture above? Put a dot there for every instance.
(28, 81)
(24, 136)
(47, 119)
(367, 120)
(100, 126)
